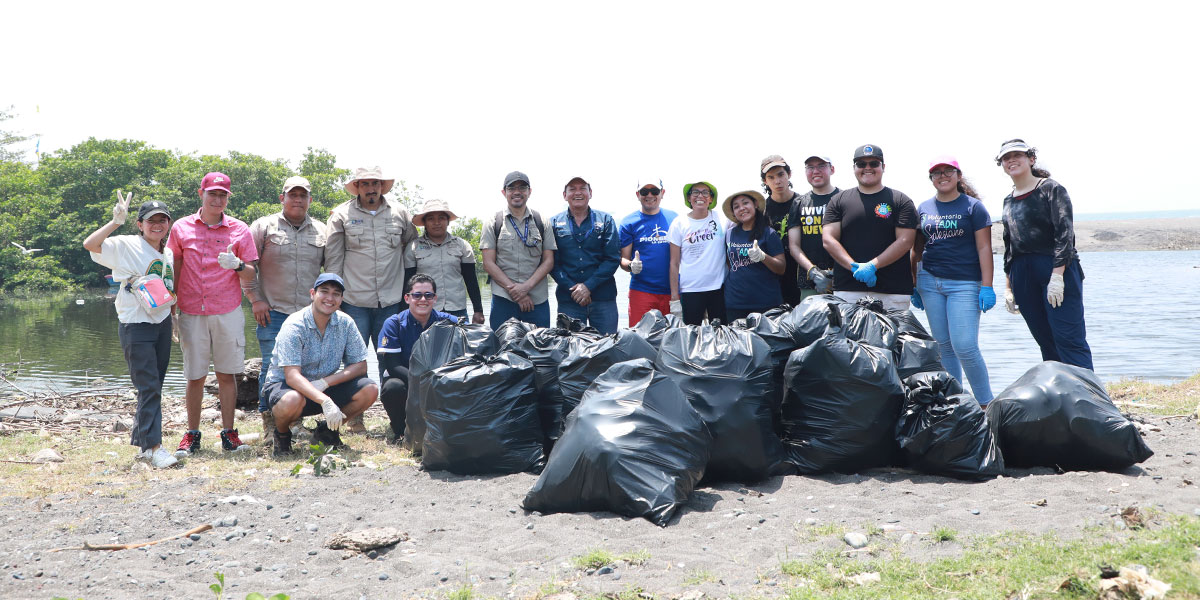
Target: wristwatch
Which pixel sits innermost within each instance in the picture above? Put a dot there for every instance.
(241, 265)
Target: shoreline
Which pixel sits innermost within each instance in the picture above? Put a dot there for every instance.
(1119, 235)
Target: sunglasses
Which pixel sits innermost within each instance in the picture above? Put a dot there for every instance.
(862, 164)
(422, 295)
(648, 191)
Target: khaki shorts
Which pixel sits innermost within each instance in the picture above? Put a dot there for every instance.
(220, 339)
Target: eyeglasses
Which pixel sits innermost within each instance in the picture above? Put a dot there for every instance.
(648, 191)
(862, 164)
(815, 168)
(942, 173)
(700, 194)
(422, 295)
(517, 188)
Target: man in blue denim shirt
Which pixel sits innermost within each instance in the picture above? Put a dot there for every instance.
(307, 376)
(588, 254)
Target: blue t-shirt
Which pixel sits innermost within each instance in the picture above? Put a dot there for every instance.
(648, 234)
(949, 230)
(751, 285)
(400, 333)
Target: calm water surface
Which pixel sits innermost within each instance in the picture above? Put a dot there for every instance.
(1142, 320)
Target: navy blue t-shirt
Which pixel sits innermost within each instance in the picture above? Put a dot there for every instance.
(400, 333)
(750, 285)
(648, 235)
(949, 231)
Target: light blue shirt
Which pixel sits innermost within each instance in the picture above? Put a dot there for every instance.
(301, 344)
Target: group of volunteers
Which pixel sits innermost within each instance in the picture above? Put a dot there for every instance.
(321, 293)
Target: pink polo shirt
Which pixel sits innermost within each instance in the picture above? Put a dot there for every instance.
(203, 287)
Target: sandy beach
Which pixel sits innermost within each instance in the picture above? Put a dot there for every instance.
(1127, 234)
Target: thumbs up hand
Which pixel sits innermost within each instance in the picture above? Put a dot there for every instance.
(755, 254)
(229, 260)
(635, 265)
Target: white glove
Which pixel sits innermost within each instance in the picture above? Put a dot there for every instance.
(320, 384)
(121, 208)
(1010, 303)
(755, 254)
(677, 308)
(635, 265)
(333, 415)
(1054, 290)
(228, 260)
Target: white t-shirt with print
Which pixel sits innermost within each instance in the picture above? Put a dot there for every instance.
(701, 251)
(130, 257)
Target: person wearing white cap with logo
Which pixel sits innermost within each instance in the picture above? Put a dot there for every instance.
(291, 251)
(805, 245)
(646, 251)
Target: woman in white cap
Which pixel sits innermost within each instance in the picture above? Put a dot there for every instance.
(755, 256)
(697, 241)
(1044, 278)
(144, 266)
(952, 265)
(447, 258)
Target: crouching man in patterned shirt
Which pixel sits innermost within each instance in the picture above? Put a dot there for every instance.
(305, 379)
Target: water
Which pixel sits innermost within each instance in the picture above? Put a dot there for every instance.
(1141, 315)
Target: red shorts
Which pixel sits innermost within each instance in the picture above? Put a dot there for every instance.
(642, 302)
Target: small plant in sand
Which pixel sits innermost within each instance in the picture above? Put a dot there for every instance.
(943, 534)
(317, 459)
(218, 589)
(636, 558)
(594, 559)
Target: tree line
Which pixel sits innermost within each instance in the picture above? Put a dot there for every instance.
(56, 203)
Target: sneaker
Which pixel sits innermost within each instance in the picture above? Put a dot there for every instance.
(324, 435)
(283, 444)
(190, 444)
(230, 441)
(159, 459)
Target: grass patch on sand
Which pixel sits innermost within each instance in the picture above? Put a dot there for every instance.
(1005, 565)
(943, 534)
(596, 558)
(1182, 398)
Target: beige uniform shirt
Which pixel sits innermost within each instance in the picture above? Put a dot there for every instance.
(517, 260)
(443, 262)
(368, 251)
(289, 261)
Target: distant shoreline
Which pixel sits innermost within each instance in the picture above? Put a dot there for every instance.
(1113, 235)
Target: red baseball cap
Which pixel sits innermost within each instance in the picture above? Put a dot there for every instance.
(215, 181)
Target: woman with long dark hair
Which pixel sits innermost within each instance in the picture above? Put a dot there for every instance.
(697, 269)
(755, 256)
(952, 266)
(1044, 278)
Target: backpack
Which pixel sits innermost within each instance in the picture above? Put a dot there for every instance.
(498, 223)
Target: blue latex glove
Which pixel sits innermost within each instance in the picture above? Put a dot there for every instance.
(916, 301)
(987, 298)
(864, 272)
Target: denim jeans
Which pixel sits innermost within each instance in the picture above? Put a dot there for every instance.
(504, 309)
(601, 314)
(266, 346)
(369, 320)
(952, 306)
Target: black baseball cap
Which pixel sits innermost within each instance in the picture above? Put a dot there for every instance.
(869, 150)
(514, 177)
(153, 207)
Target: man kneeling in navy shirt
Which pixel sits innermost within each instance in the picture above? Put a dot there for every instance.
(396, 340)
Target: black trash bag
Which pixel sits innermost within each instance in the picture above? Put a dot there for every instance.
(773, 328)
(915, 353)
(808, 321)
(1058, 415)
(654, 324)
(907, 322)
(511, 332)
(868, 322)
(943, 431)
(441, 343)
(842, 401)
(481, 416)
(573, 325)
(547, 348)
(635, 446)
(725, 373)
(586, 362)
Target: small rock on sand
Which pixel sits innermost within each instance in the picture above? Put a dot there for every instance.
(46, 455)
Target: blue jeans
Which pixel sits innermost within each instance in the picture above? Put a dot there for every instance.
(1060, 332)
(601, 314)
(504, 309)
(952, 306)
(370, 320)
(266, 346)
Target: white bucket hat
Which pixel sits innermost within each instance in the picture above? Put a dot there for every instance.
(432, 206)
(368, 173)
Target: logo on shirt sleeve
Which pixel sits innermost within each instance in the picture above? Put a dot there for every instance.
(383, 341)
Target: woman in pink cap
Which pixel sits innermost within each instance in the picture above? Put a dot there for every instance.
(952, 265)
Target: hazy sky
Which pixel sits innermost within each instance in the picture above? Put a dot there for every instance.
(451, 96)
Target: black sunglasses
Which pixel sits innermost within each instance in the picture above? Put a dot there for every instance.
(647, 191)
(862, 164)
(423, 295)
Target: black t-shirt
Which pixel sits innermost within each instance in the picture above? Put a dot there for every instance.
(869, 223)
(807, 213)
(778, 214)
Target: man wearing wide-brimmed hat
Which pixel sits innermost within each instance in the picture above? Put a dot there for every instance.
(447, 258)
(367, 240)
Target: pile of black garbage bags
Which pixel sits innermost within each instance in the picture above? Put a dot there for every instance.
(632, 422)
